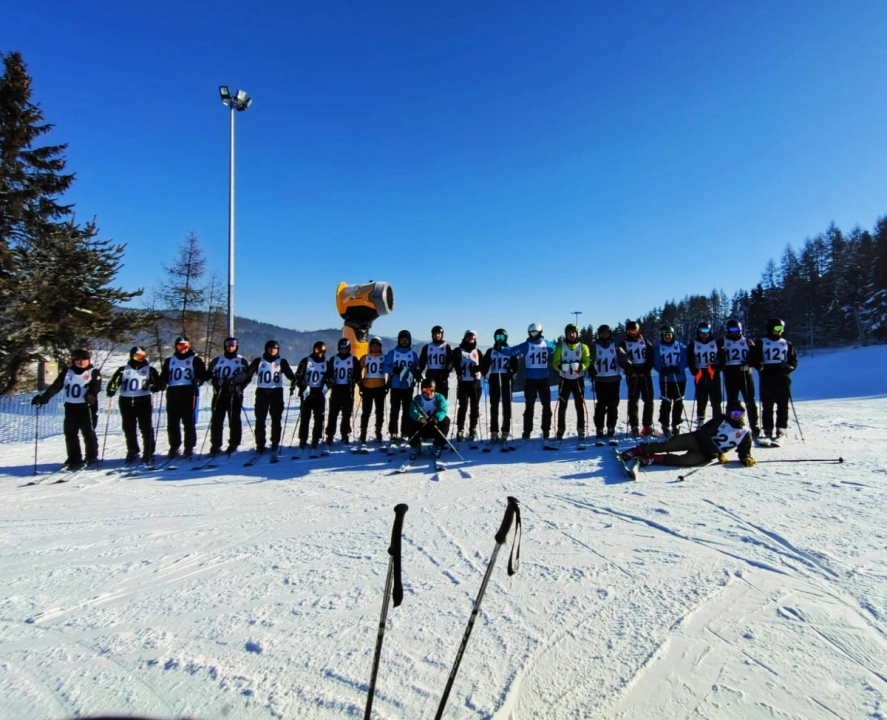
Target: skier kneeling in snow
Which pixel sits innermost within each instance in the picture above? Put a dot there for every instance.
(429, 411)
(712, 440)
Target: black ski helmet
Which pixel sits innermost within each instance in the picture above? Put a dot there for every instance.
(320, 346)
(666, 330)
(774, 322)
(734, 329)
(436, 329)
(183, 340)
(603, 329)
(80, 354)
(704, 328)
(135, 350)
(632, 328)
(500, 335)
(571, 327)
(344, 344)
(272, 344)
(404, 334)
(428, 383)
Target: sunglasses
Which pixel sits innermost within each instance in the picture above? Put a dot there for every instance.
(778, 328)
(737, 414)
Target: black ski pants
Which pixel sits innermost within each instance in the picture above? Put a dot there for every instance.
(181, 401)
(671, 401)
(500, 392)
(268, 401)
(698, 450)
(227, 403)
(775, 393)
(606, 406)
(436, 432)
(468, 394)
(341, 401)
(640, 387)
(312, 410)
(372, 399)
(708, 390)
(81, 419)
(537, 389)
(400, 411)
(742, 383)
(568, 388)
(135, 414)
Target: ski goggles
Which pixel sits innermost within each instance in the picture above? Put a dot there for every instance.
(778, 328)
(737, 414)
(183, 344)
(704, 331)
(139, 355)
(428, 391)
(500, 337)
(231, 343)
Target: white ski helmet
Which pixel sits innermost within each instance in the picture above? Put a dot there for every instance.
(534, 330)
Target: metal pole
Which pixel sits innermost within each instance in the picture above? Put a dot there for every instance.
(231, 232)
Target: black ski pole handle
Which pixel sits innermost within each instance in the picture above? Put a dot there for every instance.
(394, 551)
(502, 534)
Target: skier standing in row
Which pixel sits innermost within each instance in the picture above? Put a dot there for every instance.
(571, 360)
(702, 359)
(606, 361)
(373, 389)
(344, 370)
(734, 351)
(466, 363)
(670, 361)
(182, 373)
(82, 384)
(436, 361)
(776, 360)
(499, 369)
(428, 411)
(536, 351)
(637, 362)
(269, 371)
(136, 381)
(402, 364)
(229, 375)
(312, 379)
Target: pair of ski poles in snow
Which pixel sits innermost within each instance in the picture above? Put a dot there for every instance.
(394, 586)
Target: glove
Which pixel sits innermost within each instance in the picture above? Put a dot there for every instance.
(749, 461)
(292, 388)
(417, 375)
(697, 376)
(38, 400)
(90, 399)
(112, 393)
(722, 458)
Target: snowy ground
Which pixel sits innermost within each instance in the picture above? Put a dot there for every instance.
(255, 592)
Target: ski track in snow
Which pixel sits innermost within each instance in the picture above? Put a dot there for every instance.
(255, 593)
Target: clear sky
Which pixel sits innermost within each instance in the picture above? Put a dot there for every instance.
(497, 163)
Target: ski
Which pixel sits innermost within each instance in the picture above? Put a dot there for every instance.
(403, 468)
(629, 467)
(551, 445)
(254, 459)
(68, 475)
(582, 445)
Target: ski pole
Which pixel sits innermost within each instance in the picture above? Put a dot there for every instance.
(105, 438)
(212, 412)
(803, 460)
(286, 417)
(697, 469)
(392, 579)
(792, 403)
(248, 423)
(36, 434)
(511, 512)
(159, 418)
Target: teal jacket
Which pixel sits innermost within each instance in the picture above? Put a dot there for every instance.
(439, 411)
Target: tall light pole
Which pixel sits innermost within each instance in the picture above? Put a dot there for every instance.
(577, 313)
(240, 101)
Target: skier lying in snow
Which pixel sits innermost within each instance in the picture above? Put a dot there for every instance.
(710, 441)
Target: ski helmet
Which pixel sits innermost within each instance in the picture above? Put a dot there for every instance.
(470, 333)
(230, 342)
(773, 324)
(571, 327)
(428, 383)
(79, 354)
(666, 330)
(344, 344)
(376, 340)
(436, 329)
(137, 350)
(182, 340)
(734, 329)
(320, 347)
(632, 328)
(404, 334)
(534, 330)
(500, 335)
(603, 329)
(704, 328)
(272, 344)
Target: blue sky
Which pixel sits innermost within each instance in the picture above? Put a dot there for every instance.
(497, 163)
